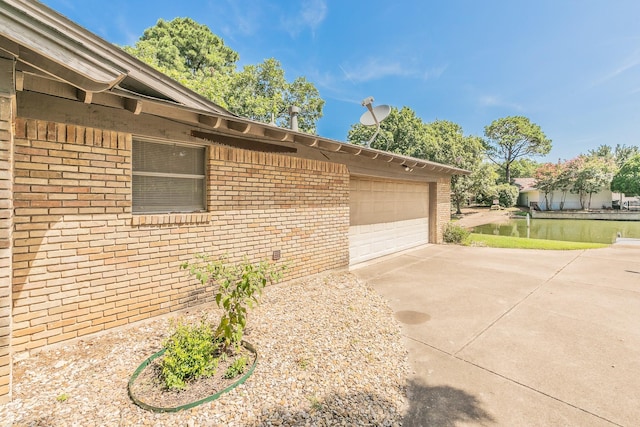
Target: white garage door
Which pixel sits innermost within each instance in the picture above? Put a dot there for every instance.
(386, 217)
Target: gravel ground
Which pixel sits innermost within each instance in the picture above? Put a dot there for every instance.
(330, 354)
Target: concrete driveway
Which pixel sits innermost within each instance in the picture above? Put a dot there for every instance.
(517, 337)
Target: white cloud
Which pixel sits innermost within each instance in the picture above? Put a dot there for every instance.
(378, 68)
(497, 101)
(374, 69)
(628, 63)
(310, 15)
(434, 72)
(244, 19)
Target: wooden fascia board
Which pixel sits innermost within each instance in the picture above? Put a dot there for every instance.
(46, 48)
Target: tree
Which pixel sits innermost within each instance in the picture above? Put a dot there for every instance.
(622, 153)
(514, 137)
(191, 54)
(446, 143)
(627, 180)
(603, 150)
(402, 132)
(485, 177)
(594, 174)
(261, 92)
(567, 176)
(507, 195)
(520, 168)
(547, 181)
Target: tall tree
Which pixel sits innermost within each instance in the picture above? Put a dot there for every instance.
(627, 180)
(191, 54)
(261, 92)
(512, 138)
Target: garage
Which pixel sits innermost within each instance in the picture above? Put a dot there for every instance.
(386, 216)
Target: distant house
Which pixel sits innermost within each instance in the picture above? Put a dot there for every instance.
(532, 197)
(112, 174)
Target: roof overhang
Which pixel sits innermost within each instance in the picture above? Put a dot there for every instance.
(49, 43)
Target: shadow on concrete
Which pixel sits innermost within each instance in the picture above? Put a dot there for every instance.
(442, 406)
(353, 410)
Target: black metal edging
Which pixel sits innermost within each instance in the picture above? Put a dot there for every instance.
(192, 404)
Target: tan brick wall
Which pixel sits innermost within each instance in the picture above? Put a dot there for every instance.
(444, 206)
(83, 263)
(6, 228)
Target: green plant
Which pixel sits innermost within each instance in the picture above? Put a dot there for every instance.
(236, 368)
(507, 195)
(238, 287)
(454, 233)
(303, 363)
(316, 405)
(190, 354)
(62, 397)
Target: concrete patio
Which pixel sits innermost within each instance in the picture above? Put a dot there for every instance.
(513, 337)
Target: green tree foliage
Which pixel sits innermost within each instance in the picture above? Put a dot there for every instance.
(507, 195)
(622, 153)
(627, 180)
(191, 54)
(402, 132)
(512, 138)
(485, 177)
(447, 144)
(520, 168)
(592, 174)
(261, 92)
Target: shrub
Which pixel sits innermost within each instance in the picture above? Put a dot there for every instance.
(238, 287)
(454, 233)
(236, 368)
(507, 195)
(190, 354)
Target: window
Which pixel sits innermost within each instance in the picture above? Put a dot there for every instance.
(168, 177)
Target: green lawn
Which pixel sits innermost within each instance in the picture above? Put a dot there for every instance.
(523, 243)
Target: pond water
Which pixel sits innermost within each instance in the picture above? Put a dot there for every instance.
(564, 229)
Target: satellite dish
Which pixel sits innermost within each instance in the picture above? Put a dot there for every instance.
(375, 115)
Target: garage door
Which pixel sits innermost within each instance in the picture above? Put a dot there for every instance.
(386, 217)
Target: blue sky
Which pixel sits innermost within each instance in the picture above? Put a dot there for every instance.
(571, 66)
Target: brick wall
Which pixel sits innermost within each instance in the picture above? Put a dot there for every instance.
(6, 228)
(444, 206)
(83, 263)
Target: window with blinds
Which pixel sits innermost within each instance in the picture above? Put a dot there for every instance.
(168, 177)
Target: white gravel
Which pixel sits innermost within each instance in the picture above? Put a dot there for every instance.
(330, 354)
